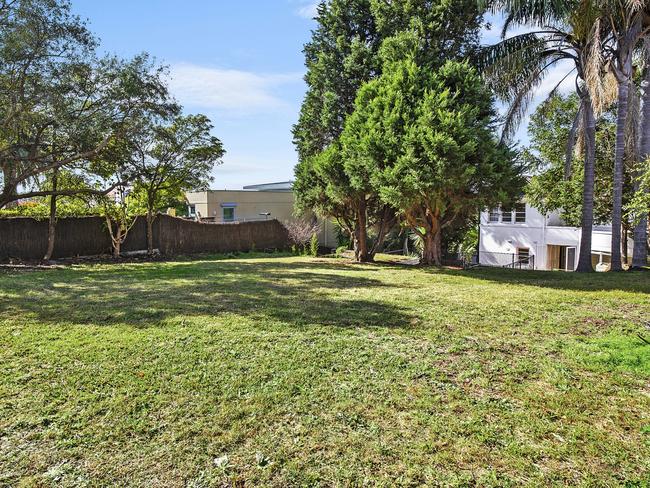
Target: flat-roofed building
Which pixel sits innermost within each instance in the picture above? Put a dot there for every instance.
(254, 202)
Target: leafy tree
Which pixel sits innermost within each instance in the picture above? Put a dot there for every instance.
(549, 189)
(61, 105)
(172, 159)
(424, 139)
(446, 29)
(117, 208)
(322, 186)
(342, 55)
(626, 24)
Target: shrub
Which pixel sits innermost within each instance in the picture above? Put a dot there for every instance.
(301, 233)
(313, 245)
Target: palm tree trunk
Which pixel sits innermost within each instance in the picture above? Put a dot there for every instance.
(617, 204)
(640, 252)
(584, 261)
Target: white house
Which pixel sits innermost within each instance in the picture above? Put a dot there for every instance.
(522, 237)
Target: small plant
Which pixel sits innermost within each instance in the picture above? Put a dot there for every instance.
(313, 245)
(341, 249)
(301, 234)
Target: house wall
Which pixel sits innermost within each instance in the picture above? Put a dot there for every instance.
(537, 234)
(498, 239)
(248, 205)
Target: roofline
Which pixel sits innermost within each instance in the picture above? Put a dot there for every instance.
(262, 185)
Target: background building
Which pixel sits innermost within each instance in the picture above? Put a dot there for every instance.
(254, 202)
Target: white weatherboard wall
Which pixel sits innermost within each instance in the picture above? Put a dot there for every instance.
(498, 238)
(499, 241)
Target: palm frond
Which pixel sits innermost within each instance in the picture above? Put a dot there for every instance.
(520, 91)
(594, 63)
(530, 12)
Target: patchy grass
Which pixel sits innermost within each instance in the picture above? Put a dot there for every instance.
(303, 372)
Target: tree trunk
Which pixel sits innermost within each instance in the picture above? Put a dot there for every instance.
(362, 233)
(150, 217)
(117, 242)
(626, 233)
(640, 252)
(617, 197)
(385, 226)
(584, 260)
(51, 225)
(432, 254)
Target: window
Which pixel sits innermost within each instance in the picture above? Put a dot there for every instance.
(191, 210)
(523, 255)
(229, 214)
(494, 215)
(520, 213)
(506, 215)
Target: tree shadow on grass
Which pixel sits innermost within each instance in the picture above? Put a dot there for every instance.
(633, 282)
(299, 294)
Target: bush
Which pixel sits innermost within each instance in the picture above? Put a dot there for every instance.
(313, 245)
(301, 234)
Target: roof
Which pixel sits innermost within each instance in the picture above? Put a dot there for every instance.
(279, 186)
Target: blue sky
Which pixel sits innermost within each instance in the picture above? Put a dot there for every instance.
(239, 62)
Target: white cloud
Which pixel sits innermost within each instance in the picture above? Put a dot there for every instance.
(557, 75)
(308, 11)
(229, 90)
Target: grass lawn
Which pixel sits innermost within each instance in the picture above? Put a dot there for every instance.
(311, 372)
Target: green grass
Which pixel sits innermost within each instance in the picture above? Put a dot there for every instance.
(307, 372)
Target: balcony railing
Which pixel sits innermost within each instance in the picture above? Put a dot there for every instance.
(506, 260)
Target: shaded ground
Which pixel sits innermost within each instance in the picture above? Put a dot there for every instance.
(295, 371)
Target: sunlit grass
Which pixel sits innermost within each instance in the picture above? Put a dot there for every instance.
(295, 372)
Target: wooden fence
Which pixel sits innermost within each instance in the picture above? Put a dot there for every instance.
(26, 238)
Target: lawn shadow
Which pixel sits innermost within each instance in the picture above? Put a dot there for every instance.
(633, 282)
(296, 293)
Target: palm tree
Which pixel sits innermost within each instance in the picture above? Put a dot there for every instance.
(516, 66)
(626, 20)
(640, 253)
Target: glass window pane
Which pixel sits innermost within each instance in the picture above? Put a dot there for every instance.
(520, 213)
(228, 214)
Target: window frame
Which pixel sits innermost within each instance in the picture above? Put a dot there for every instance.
(520, 213)
(223, 214)
(509, 213)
